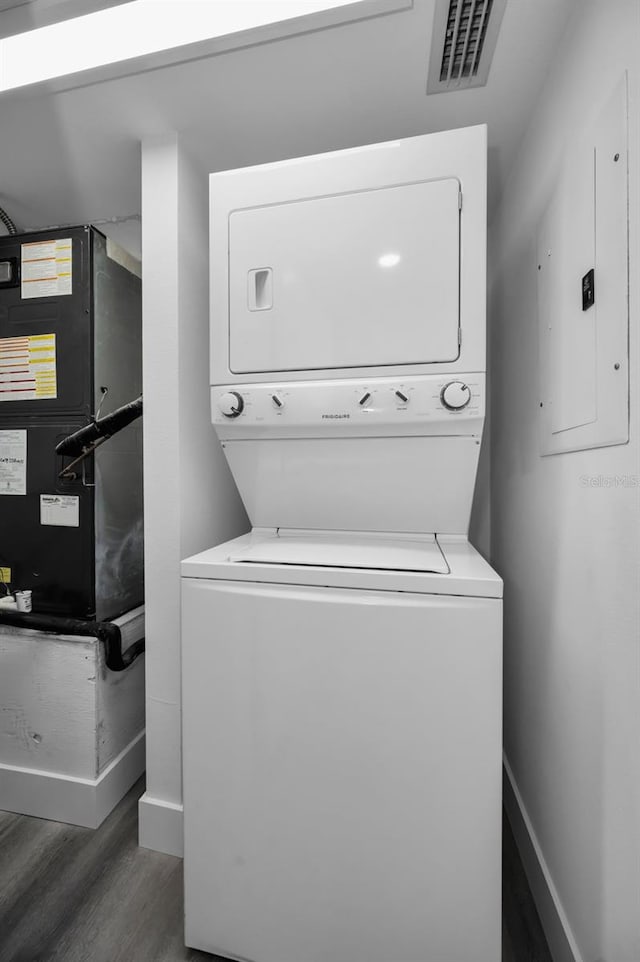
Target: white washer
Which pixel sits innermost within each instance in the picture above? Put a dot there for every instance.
(342, 759)
(342, 663)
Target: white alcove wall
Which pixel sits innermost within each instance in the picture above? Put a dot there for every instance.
(565, 537)
(191, 501)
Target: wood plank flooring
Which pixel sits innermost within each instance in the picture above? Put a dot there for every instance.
(69, 894)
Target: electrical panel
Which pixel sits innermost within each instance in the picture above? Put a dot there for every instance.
(582, 270)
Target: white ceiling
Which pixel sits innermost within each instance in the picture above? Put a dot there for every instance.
(74, 156)
(17, 16)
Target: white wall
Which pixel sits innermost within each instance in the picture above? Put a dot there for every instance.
(191, 501)
(569, 554)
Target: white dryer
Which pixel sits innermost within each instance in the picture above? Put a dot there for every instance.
(342, 674)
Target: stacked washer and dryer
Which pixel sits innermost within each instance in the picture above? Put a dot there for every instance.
(342, 662)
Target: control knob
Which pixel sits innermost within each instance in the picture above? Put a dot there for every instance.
(455, 395)
(231, 404)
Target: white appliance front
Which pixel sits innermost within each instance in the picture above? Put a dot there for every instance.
(357, 455)
(347, 334)
(342, 773)
(352, 263)
(361, 484)
(342, 677)
(320, 283)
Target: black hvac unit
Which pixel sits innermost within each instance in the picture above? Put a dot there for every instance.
(70, 338)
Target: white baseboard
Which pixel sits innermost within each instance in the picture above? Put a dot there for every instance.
(160, 825)
(65, 798)
(562, 944)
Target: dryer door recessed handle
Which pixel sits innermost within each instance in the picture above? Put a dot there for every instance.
(260, 289)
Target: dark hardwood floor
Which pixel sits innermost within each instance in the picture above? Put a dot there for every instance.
(522, 937)
(69, 894)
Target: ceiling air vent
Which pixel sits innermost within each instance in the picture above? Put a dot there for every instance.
(464, 38)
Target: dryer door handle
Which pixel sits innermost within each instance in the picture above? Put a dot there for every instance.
(260, 289)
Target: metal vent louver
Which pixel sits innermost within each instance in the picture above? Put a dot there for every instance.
(463, 41)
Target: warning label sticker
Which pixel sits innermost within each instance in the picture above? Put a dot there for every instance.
(13, 461)
(28, 368)
(60, 509)
(46, 268)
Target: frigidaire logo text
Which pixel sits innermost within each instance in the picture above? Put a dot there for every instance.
(332, 416)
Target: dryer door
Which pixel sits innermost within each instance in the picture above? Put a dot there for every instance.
(364, 279)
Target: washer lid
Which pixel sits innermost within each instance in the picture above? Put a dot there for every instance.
(377, 553)
(463, 571)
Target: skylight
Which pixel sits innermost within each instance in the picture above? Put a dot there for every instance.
(140, 28)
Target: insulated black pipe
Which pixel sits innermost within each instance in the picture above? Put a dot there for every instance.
(105, 631)
(106, 427)
(8, 223)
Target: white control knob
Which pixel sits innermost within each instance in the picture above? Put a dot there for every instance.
(455, 395)
(231, 404)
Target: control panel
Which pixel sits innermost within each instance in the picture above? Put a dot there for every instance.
(413, 405)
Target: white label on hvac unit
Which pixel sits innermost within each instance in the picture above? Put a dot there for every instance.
(46, 268)
(13, 462)
(62, 510)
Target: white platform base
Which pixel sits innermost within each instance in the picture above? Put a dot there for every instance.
(71, 730)
(562, 943)
(63, 798)
(160, 826)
